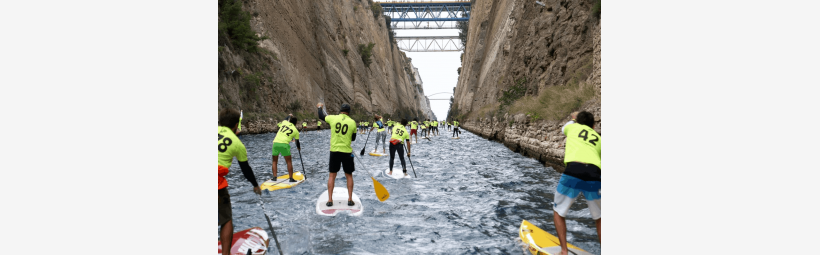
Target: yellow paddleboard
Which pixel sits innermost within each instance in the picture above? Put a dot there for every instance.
(377, 154)
(542, 243)
(282, 182)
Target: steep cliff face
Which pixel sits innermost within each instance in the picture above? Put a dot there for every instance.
(526, 67)
(313, 53)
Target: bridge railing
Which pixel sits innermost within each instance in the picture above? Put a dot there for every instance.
(423, 1)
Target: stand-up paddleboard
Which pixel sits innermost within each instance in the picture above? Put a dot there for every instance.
(541, 242)
(456, 137)
(282, 182)
(339, 204)
(397, 174)
(254, 239)
(376, 154)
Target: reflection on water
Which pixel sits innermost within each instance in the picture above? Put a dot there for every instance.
(470, 198)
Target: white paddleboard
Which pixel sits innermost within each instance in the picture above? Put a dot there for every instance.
(397, 174)
(339, 204)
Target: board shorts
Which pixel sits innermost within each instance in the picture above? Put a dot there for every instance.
(281, 148)
(225, 212)
(413, 132)
(341, 159)
(570, 188)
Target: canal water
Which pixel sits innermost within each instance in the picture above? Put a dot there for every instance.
(470, 197)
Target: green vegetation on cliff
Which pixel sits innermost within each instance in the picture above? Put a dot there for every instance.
(551, 103)
(235, 24)
(366, 51)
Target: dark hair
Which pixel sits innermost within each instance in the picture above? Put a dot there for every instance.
(585, 118)
(404, 122)
(293, 120)
(228, 118)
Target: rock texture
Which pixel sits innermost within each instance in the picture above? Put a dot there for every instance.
(304, 62)
(513, 39)
(423, 101)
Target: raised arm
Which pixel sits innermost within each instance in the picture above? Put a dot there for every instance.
(322, 112)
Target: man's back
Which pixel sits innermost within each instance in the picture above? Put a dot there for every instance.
(342, 128)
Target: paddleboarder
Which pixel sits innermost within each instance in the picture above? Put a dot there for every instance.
(304, 125)
(456, 132)
(414, 129)
(381, 134)
(342, 133)
(582, 157)
(397, 141)
(281, 146)
(319, 125)
(229, 147)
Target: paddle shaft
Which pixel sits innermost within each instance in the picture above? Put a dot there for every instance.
(303, 164)
(411, 162)
(278, 247)
(376, 184)
(365, 144)
(360, 163)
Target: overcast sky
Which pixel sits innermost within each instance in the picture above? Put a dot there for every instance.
(437, 69)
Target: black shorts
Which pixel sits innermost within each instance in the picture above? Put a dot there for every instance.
(585, 172)
(225, 212)
(341, 159)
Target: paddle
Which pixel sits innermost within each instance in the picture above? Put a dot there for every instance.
(365, 144)
(303, 164)
(381, 192)
(411, 162)
(278, 247)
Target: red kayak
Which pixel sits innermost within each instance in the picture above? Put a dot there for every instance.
(254, 239)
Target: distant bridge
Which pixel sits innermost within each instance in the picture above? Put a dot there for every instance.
(429, 43)
(417, 14)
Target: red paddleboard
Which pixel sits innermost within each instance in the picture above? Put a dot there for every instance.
(254, 239)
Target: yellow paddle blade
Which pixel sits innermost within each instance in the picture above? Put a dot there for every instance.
(381, 192)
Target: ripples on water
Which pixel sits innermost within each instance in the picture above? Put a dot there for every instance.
(470, 198)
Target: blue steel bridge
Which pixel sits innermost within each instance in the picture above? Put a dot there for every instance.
(429, 14)
(418, 14)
